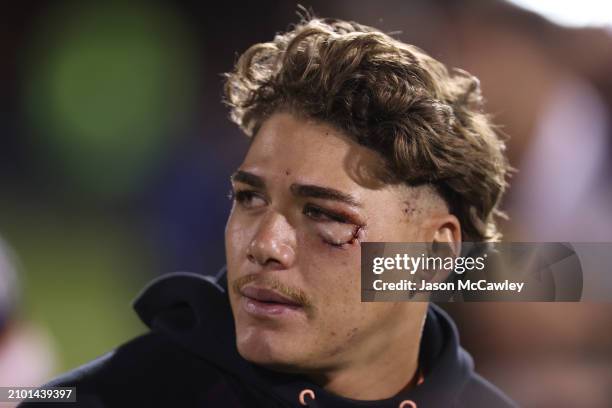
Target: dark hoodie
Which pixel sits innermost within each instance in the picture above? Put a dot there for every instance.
(189, 359)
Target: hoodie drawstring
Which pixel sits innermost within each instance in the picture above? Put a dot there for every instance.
(310, 393)
(307, 392)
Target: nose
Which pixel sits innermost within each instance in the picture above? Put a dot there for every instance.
(273, 243)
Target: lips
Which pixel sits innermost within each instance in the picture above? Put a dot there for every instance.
(267, 302)
(267, 296)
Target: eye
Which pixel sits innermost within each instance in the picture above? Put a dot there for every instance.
(319, 214)
(248, 198)
(334, 229)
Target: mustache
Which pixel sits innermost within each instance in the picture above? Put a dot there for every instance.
(295, 294)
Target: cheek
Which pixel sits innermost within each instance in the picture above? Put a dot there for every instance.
(342, 320)
(236, 239)
(334, 274)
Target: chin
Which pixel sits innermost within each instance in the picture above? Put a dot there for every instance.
(266, 349)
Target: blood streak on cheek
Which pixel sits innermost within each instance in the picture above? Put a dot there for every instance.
(359, 235)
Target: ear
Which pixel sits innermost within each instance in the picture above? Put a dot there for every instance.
(442, 233)
(444, 230)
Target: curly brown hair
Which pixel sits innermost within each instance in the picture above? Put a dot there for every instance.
(426, 122)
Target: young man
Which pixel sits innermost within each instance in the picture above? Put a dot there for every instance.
(355, 137)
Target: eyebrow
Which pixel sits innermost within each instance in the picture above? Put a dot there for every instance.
(300, 190)
(326, 193)
(248, 178)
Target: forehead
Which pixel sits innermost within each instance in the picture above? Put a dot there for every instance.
(312, 151)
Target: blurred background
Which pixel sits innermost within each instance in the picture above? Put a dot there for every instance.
(115, 156)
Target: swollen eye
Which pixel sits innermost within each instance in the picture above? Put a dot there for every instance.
(337, 233)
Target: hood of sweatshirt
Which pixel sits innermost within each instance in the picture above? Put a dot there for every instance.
(194, 311)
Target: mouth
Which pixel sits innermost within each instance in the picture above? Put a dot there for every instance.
(262, 302)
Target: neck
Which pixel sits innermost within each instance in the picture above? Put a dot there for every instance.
(389, 365)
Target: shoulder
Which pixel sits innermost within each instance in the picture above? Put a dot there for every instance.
(479, 392)
(149, 370)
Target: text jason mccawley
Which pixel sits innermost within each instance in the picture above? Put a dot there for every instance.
(481, 285)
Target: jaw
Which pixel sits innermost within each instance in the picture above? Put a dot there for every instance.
(266, 346)
(285, 349)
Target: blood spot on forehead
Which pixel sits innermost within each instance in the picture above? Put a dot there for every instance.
(421, 199)
(409, 208)
(287, 172)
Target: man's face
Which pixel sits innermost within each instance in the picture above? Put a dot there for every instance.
(305, 197)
